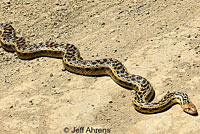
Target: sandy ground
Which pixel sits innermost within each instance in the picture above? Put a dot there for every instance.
(157, 39)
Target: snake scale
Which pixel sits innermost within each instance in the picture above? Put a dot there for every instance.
(73, 62)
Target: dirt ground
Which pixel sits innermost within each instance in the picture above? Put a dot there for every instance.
(157, 39)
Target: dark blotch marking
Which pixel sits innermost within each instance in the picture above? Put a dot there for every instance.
(155, 108)
(94, 63)
(44, 51)
(120, 81)
(138, 81)
(142, 89)
(108, 62)
(105, 60)
(139, 93)
(66, 65)
(122, 71)
(69, 56)
(148, 83)
(87, 69)
(144, 81)
(75, 62)
(78, 68)
(133, 79)
(51, 52)
(119, 67)
(130, 84)
(41, 43)
(55, 52)
(59, 52)
(72, 46)
(118, 63)
(127, 75)
(122, 75)
(111, 59)
(102, 68)
(46, 43)
(25, 54)
(144, 85)
(84, 63)
(51, 43)
(101, 62)
(138, 77)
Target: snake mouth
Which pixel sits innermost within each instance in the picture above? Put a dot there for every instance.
(191, 112)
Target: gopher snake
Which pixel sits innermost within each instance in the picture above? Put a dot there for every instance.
(73, 62)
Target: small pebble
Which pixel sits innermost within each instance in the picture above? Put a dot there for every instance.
(56, 36)
(103, 23)
(126, 59)
(53, 86)
(182, 70)
(6, 81)
(147, 12)
(51, 74)
(31, 102)
(115, 51)
(188, 36)
(117, 40)
(123, 96)
(64, 69)
(126, 23)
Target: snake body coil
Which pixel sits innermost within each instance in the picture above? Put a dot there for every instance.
(73, 62)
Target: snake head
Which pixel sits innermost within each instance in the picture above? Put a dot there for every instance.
(190, 108)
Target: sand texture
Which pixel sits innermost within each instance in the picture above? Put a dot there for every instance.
(157, 39)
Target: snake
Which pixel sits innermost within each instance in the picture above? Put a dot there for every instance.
(143, 92)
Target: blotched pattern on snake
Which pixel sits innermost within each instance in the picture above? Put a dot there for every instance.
(73, 62)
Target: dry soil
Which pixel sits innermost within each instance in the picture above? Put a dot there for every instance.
(157, 39)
